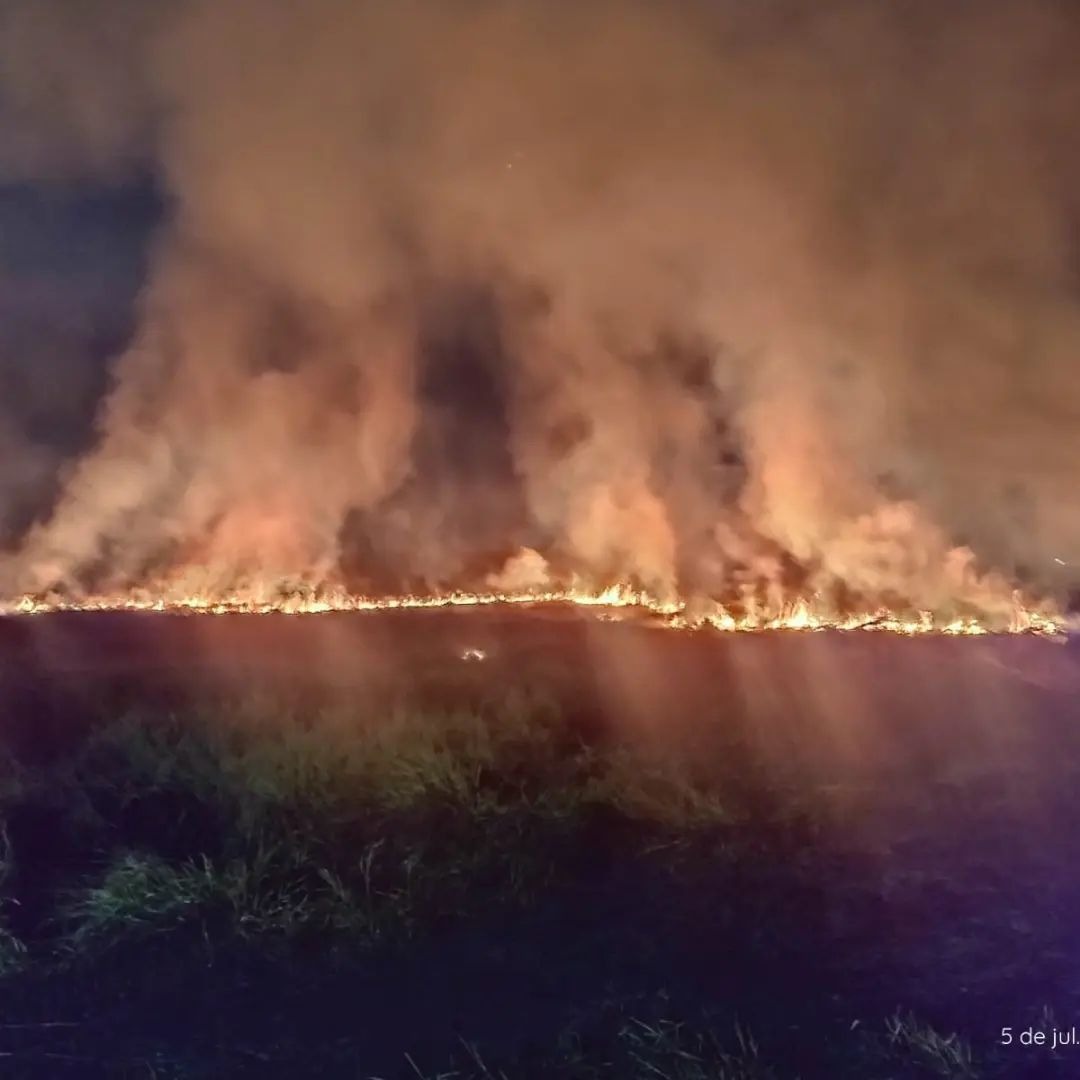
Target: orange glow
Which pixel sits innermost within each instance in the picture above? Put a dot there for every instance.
(613, 602)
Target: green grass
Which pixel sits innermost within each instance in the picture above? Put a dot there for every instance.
(674, 1050)
(326, 766)
(617, 1045)
(942, 1055)
(656, 1045)
(260, 818)
(262, 824)
(274, 892)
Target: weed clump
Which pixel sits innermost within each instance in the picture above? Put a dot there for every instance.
(268, 819)
(941, 1055)
(620, 1042)
(12, 948)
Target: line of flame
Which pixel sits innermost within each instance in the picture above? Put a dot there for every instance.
(609, 603)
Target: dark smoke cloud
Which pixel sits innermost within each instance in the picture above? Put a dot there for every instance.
(706, 295)
(73, 93)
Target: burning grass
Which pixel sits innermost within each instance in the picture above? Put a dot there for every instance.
(620, 600)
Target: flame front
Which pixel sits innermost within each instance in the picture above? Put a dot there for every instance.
(613, 602)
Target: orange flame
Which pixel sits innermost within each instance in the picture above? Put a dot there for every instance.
(614, 602)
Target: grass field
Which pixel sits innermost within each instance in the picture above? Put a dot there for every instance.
(465, 878)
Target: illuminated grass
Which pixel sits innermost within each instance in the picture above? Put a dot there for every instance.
(672, 1049)
(943, 1055)
(262, 895)
(260, 829)
(617, 1045)
(270, 821)
(256, 770)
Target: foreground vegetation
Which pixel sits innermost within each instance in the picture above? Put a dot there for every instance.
(653, 1046)
(364, 829)
(259, 839)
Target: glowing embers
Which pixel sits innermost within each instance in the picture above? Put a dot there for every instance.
(614, 602)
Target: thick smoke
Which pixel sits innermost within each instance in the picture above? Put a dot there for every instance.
(719, 298)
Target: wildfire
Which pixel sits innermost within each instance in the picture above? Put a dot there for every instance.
(615, 602)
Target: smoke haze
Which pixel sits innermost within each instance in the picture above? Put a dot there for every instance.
(718, 298)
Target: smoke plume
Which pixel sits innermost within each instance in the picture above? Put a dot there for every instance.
(724, 299)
